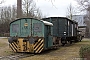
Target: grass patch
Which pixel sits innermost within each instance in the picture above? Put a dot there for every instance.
(2, 44)
(85, 41)
(85, 48)
(8, 52)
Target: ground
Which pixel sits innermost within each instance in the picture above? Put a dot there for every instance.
(4, 47)
(68, 52)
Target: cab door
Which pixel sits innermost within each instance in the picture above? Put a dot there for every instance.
(37, 28)
(49, 36)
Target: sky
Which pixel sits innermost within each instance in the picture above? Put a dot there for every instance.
(56, 7)
(48, 8)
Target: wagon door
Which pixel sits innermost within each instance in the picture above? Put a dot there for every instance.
(72, 29)
(48, 35)
(25, 27)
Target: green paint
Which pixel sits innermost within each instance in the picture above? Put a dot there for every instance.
(26, 27)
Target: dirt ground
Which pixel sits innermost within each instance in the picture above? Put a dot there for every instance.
(68, 52)
(4, 47)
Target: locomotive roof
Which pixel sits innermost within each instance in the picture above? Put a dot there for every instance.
(45, 22)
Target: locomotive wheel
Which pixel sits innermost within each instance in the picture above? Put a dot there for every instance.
(76, 41)
(70, 42)
(80, 40)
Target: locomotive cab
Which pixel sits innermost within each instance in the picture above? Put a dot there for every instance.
(30, 35)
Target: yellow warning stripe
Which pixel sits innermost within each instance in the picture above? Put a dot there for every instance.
(39, 48)
(37, 42)
(15, 44)
(38, 45)
(12, 47)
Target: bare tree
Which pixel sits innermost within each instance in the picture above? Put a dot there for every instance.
(38, 14)
(30, 9)
(7, 14)
(85, 6)
(2, 1)
(70, 11)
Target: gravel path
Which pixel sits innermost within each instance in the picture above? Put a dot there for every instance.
(68, 52)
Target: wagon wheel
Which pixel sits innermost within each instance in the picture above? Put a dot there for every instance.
(63, 44)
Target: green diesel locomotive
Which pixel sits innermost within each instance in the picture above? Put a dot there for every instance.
(30, 35)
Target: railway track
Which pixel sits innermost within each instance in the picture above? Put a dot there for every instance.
(16, 56)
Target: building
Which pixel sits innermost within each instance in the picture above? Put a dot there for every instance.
(81, 24)
(79, 19)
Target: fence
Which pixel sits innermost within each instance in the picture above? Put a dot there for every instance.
(4, 34)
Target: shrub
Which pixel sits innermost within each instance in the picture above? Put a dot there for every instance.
(84, 50)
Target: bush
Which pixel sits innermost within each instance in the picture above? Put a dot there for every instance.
(84, 50)
(0, 35)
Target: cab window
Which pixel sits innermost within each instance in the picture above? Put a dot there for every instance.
(37, 27)
(15, 28)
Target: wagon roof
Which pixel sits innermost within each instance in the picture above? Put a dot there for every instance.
(62, 18)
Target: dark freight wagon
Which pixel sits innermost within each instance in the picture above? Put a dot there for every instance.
(63, 28)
